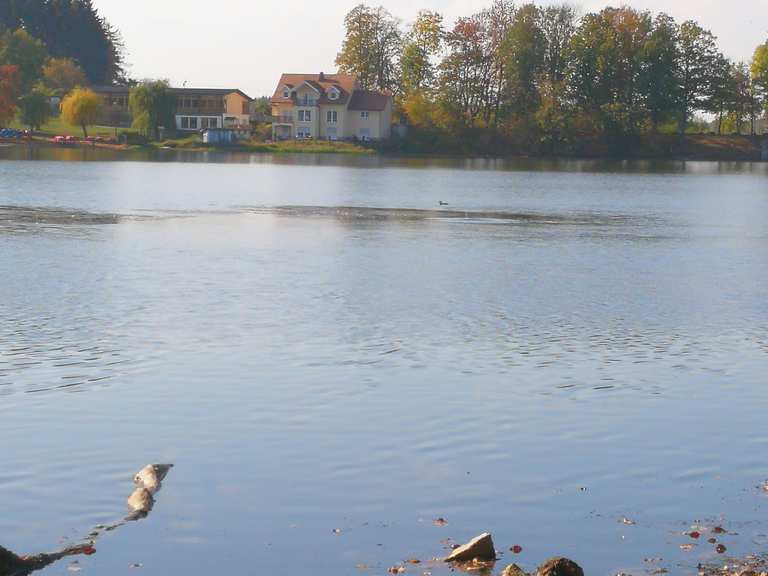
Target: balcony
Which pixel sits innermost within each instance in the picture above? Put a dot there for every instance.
(282, 119)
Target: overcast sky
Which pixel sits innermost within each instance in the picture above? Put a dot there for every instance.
(246, 44)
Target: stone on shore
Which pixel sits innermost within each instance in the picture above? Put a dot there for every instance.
(479, 548)
(559, 567)
(513, 570)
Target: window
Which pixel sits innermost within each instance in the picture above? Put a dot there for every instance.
(185, 123)
(332, 116)
(305, 115)
(303, 132)
(203, 123)
(193, 123)
(365, 134)
(332, 134)
(246, 108)
(286, 93)
(213, 122)
(333, 94)
(363, 114)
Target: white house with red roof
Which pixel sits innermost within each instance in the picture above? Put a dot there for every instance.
(329, 107)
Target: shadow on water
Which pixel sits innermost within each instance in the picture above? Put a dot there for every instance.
(140, 503)
(365, 213)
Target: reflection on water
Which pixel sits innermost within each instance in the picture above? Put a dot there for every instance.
(341, 359)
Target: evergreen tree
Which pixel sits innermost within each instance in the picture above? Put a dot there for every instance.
(70, 29)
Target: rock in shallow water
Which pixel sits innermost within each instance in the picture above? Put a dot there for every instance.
(479, 548)
(513, 570)
(150, 477)
(559, 567)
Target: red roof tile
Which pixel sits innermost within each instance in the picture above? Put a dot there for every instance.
(344, 83)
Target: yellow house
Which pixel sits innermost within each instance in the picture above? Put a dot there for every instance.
(201, 108)
(329, 107)
(194, 109)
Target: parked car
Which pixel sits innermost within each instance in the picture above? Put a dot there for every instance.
(10, 133)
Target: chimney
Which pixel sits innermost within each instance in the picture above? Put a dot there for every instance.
(322, 77)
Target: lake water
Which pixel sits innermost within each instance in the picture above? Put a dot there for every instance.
(333, 360)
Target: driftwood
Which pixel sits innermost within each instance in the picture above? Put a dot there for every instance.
(148, 481)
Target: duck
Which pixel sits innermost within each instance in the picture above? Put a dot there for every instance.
(151, 477)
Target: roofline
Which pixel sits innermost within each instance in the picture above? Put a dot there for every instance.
(310, 85)
(173, 89)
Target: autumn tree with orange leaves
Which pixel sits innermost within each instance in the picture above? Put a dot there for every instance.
(9, 92)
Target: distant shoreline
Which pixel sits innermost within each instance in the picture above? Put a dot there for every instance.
(695, 148)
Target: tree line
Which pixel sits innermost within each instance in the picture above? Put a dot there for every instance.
(48, 48)
(542, 77)
(70, 29)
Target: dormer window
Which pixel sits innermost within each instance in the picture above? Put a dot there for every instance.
(333, 94)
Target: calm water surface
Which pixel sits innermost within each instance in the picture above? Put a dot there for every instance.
(317, 344)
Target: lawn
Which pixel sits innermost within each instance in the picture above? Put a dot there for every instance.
(55, 127)
(193, 142)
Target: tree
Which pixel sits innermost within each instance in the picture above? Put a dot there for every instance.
(557, 25)
(27, 53)
(497, 20)
(425, 113)
(759, 71)
(661, 73)
(70, 29)
(81, 107)
(151, 106)
(371, 47)
(740, 102)
(62, 75)
(608, 67)
(697, 65)
(35, 109)
(472, 74)
(423, 42)
(9, 90)
(525, 49)
(721, 97)
(466, 72)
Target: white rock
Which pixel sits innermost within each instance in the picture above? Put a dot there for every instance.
(151, 476)
(479, 548)
(140, 501)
